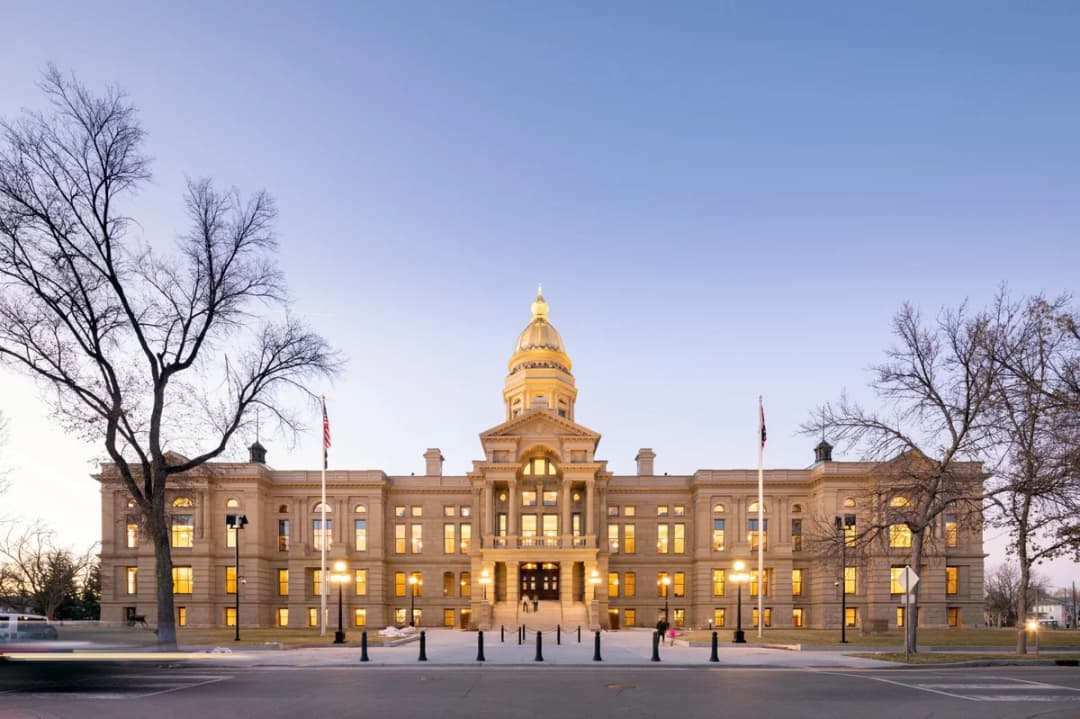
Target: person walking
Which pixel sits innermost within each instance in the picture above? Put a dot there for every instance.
(661, 629)
(536, 603)
(525, 603)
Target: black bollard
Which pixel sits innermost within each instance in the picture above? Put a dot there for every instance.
(480, 646)
(423, 647)
(558, 634)
(596, 647)
(539, 646)
(519, 636)
(502, 633)
(656, 646)
(363, 646)
(714, 657)
(579, 634)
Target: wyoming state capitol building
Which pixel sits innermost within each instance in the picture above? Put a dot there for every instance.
(539, 516)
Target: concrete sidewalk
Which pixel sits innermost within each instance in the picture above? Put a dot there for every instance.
(448, 647)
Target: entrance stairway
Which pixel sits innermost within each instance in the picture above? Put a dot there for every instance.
(550, 614)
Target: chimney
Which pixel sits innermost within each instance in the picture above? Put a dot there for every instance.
(823, 452)
(257, 453)
(433, 460)
(644, 459)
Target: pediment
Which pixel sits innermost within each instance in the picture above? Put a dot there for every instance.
(535, 423)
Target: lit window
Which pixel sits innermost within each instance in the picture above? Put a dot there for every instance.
(662, 538)
(416, 511)
(631, 617)
(629, 511)
(680, 539)
(613, 584)
(679, 510)
(182, 502)
(952, 580)
(466, 511)
(849, 502)
(466, 537)
(319, 536)
(679, 586)
(539, 466)
(465, 584)
(851, 532)
(230, 536)
(851, 617)
(678, 616)
(132, 579)
(132, 535)
(399, 616)
(449, 511)
(662, 510)
(399, 584)
(283, 582)
(181, 616)
(796, 582)
(719, 617)
(754, 582)
(899, 535)
(282, 616)
(797, 617)
(360, 534)
(448, 615)
(613, 538)
(182, 580)
(551, 525)
(230, 616)
(360, 509)
(662, 587)
(954, 616)
(896, 580)
(899, 501)
(719, 509)
(449, 539)
(313, 616)
(718, 576)
(399, 538)
(448, 584)
(316, 582)
(360, 617)
(230, 580)
(528, 499)
(851, 580)
(400, 511)
(321, 508)
(613, 511)
(361, 582)
(796, 535)
(417, 538)
(752, 534)
(283, 535)
(952, 533)
(630, 584)
(630, 542)
(718, 535)
(754, 508)
(528, 525)
(550, 498)
(768, 617)
(232, 503)
(183, 530)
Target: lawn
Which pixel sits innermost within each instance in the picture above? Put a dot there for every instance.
(1004, 638)
(201, 637)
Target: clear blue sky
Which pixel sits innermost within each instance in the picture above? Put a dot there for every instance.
(721, 199)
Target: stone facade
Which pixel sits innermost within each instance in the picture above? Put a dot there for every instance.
(541, 515)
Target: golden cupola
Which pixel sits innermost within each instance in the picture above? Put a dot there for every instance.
(540, 368)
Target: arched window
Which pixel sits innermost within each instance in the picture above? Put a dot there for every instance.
(899, 501)
(849, 502)
(754, 507)
(232, 503)
(796, 508)
(183, 502)
(360, 509)
(719, 508)
(321, 508)
(539, 466)
(283, 509)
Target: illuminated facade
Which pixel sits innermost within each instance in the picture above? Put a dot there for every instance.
(539, 515)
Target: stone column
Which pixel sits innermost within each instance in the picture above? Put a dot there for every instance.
(590, 507)
(564, 521)
(486, 510)
(514, 507)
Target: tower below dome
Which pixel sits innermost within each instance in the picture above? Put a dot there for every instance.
(540, 368)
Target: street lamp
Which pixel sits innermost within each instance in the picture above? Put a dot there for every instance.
(594, 580)
(740, 576)
(665, 581)
(485, 580)
(236, 522)
(339, 577)
(414, 581)
(1033, 627)
(842, 523)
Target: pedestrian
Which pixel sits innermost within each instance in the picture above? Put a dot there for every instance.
(536, 603)
(661, 629)
(525, 603)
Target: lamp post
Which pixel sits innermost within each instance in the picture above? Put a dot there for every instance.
(665, 582)
(842, 523)
(339, 577)
(1033, 627)
(485, 580)
(236, 522)
(413, 582)
(740, 576)
(594, 580)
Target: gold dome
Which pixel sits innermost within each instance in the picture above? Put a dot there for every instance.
(539, 334)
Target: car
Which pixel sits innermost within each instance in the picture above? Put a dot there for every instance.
(1048, 623)
(17, 627)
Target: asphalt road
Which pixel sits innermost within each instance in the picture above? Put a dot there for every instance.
(202, 692)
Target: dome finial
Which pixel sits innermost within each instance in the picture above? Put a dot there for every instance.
(540, 305)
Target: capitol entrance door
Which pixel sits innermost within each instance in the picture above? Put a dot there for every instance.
(540, 579)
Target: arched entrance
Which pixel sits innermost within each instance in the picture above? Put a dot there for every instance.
(540, 580)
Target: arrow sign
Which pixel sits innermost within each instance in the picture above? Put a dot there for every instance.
(909, 577)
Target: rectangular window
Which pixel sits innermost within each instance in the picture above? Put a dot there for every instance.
(316, 582)
(320, 535)
(851, 616)
(400, 618)
(417, 538)
(768, 617)
(899, 535)
(448, 617)
(360, 617)
(899, 617)
(399, 584)
(399, 538)
(283, 582)
(629, 539)
(796, 535)
(680, 539)
(718, 535)
(952, 580)
(661, 587)
(613, 511)
(662, 510)
(952, 531)
(754, 582)
(500, 524)
(230, 580)
(662, 538)
(575, 524)
(449, 539)
(282, 616)
(466, 511)
(954, 616)
(465, 584)
(132, 535)
(528, 498)
(466, 537)
(132, 579)
(679, 510)
(613, 538)
(230, 616)
(448, 584)
(360, 582)
(528, 525)
(400, 510)
(182, 578)
(550, 498)
(230, 536)
(796, 582)
(360, 534)
(551, 525)
(797, 619)
(752, 534)
(181, 616)
(183, 530)
(678, 616)
(313, 616)
(718, 576)
(449, 510)
(629, 511)
(851, 580)
(679, 586)
(851, 532)
(630, 615)
(613, 584)
(416, 581)
(896, 580)
(416, 511)
(719, 617)
(630, 584)
(283, 535)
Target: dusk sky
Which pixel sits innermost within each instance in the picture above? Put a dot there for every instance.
(721, 200)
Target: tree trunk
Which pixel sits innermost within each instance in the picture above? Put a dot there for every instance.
(1021, 604)
(911, 623)
(166, 619)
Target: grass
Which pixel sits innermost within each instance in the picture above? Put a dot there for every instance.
(189, 637)
(952, 657)
(981, 637)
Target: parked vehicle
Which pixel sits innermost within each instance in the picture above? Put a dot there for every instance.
(15, 627)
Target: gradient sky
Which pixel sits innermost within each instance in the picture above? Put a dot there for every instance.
(720, 199)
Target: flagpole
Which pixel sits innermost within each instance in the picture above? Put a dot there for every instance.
(761, 521)
(322, 527)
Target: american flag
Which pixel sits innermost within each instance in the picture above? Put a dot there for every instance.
(761, 406)
(325, 433)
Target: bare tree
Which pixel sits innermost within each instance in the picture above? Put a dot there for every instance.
(38, 571)
(1035, 492)
(926, 439)
(161, 356)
